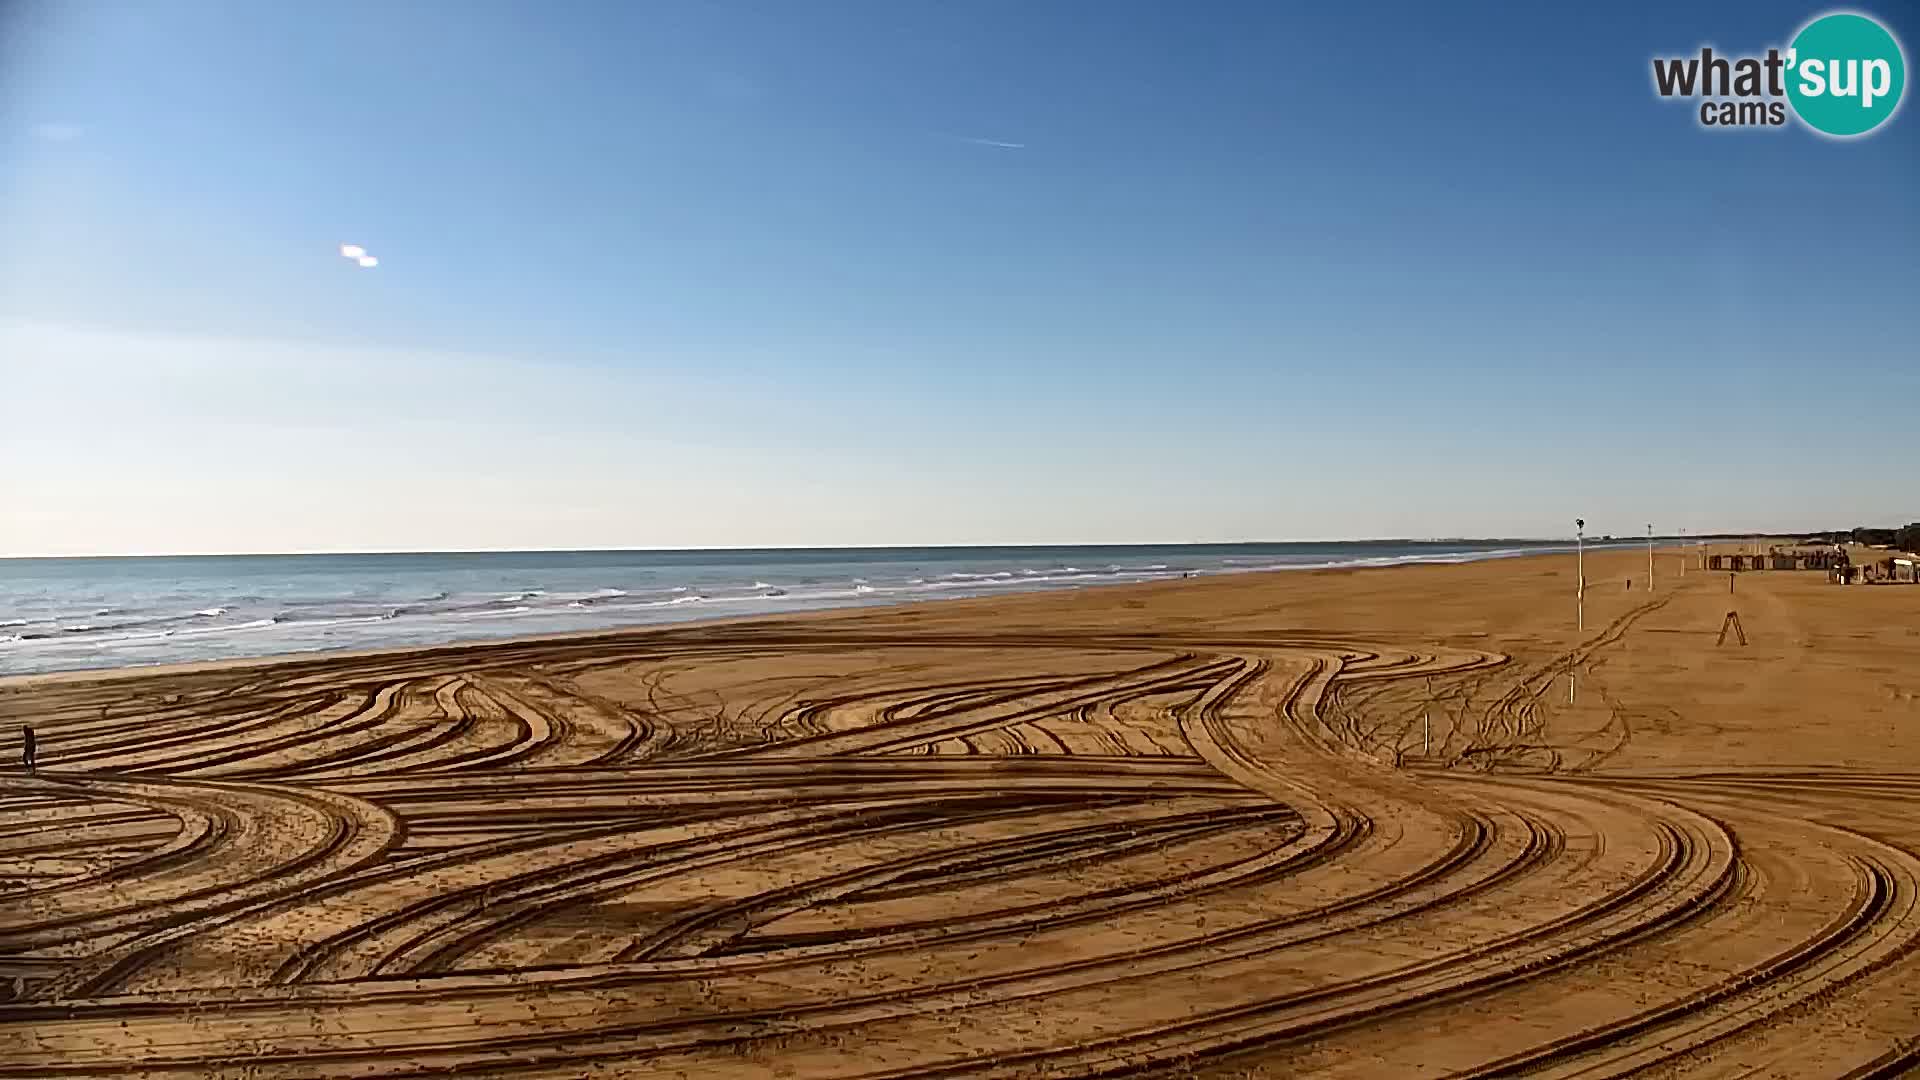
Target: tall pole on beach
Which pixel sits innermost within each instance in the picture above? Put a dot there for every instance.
(1649, 556)
(1683, 552)
(1580, 574)
(1579, 593)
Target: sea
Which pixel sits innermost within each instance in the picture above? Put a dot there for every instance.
(60, 614)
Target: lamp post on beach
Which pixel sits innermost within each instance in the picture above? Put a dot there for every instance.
(1579, 573)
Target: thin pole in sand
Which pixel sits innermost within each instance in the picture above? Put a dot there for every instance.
(1683, 552)
(1649, 556)
(1426, 721)
(1579, 592)
(1580, 574)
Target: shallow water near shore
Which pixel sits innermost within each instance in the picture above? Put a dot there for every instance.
(70, 613)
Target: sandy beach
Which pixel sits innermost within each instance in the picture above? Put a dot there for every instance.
(1389, 822)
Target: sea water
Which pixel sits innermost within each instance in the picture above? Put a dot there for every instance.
(66, 613)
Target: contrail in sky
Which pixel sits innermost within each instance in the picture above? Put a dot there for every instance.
(994, 143)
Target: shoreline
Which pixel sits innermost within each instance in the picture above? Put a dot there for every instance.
(468, 646)
(294, 656)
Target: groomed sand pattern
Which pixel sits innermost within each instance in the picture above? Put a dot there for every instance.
(967, 844)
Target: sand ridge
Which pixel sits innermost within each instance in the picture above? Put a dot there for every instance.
(1338, 823)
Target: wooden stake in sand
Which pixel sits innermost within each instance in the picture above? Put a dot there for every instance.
(1426, 721)
(1732, 622)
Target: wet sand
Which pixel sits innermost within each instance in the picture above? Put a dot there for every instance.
(1336, 823)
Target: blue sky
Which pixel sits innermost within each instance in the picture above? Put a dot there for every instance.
(730, 274)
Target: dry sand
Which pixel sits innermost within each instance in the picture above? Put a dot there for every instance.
(1331, 824)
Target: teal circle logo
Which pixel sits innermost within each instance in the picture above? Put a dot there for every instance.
(1845, 74)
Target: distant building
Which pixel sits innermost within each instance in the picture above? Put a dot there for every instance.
(1783, 558)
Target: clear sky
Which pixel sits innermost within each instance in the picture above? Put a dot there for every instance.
(990, 271)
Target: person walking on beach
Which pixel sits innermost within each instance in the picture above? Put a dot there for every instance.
(26, 746)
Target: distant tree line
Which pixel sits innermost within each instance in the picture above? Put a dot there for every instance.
(1906, 538)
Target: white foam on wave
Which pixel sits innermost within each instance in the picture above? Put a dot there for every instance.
(133, 634)
(351, 620)
(997, 582)
(583, 600)
(255, 624)
(211, 613)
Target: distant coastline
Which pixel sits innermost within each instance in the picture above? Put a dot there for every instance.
(882, 548)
